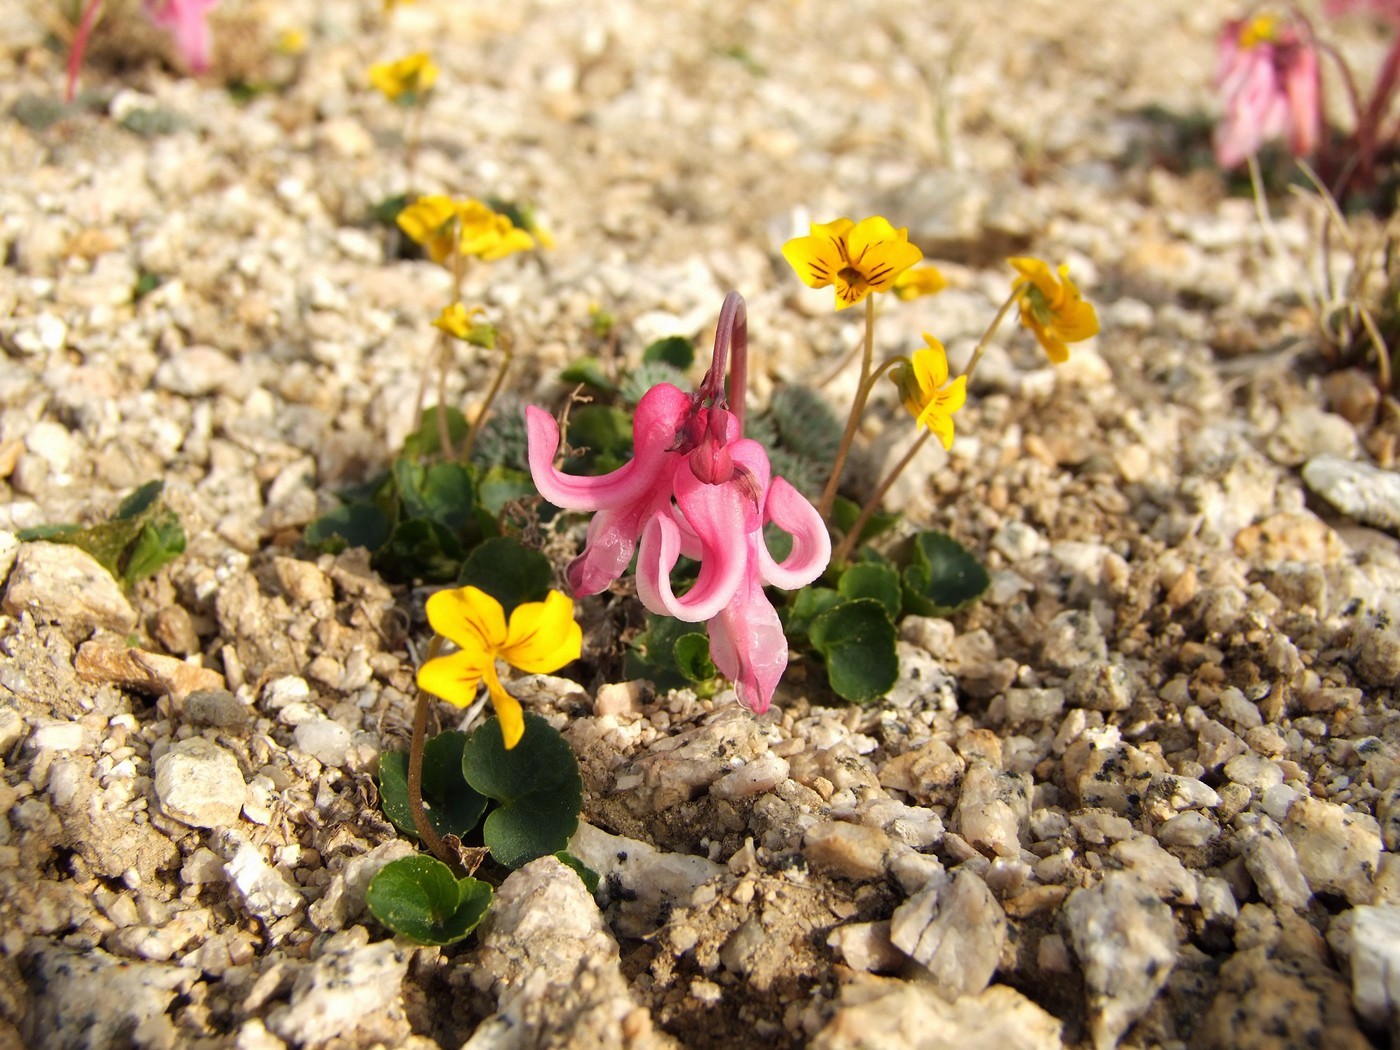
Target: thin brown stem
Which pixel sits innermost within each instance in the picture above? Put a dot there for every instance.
(506, 358)
(426, 833)
(985, 341)
(852, 537)
(853, 420)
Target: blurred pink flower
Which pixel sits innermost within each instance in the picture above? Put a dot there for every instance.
(187, 21)
(1389, 9)
(1267, 76)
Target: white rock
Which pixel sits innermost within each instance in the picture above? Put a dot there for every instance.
(1125, 939)
(95, 999)
(1338, 850)
(1273, 865)
(264, 890)
(324, 740)
(1191, 829)
(45, 334)
(1359, 490)
(758, 777)
(993, 809)
(1169, 879)
(51, 442)
(955, 929)
(351, 981)
(649, 880)
(866, 946)
(60, 584)
(877, 1013)
(1217, 901)
(200, 784)
(196, 372)
(1375, 964)
(56, 736)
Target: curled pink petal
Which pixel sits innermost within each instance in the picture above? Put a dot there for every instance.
(659, 415)
(747, 644)
(718, 513)
(187, 21)
(811, 543)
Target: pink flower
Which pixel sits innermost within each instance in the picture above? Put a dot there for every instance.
(1267, 77)
(696, 487)
(187, 21)
(1387, 9)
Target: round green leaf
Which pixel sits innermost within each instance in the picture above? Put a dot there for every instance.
(588, 875)
(421, 899)
(692, 652)
(508, 572)
(499, 485)
(942, 576)
(675, 350)
(872, 580)
(537, 784)
(810, 603)
(453, 808)
(420, 548)
(857, 640)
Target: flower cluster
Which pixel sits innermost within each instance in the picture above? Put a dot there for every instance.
(447, 227)
(1267, 75)
(694, 487)
(406, 79)
(856, 257)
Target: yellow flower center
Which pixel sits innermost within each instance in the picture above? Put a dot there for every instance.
(1258, 30)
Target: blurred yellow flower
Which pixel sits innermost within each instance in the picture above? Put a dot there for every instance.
(923, 393)
(407, 79)
(1052, 307)
(926, 280)
(540, 638)
(857, 257)
(291, 41)
(460, 323)
(389, 5)
(443, 225)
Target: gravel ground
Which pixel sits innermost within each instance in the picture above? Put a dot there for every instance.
(1146, 792)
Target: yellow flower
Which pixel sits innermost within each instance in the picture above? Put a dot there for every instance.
(389, 5)
(440, 223)
(1261, 29)
(541, 637)
(407, 78)
(460, 323)
(921, 388)
(1053, 308)
(291, 41)
(926, 280)
(857, 257)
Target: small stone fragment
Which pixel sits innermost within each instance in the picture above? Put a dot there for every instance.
(146, 672)
(1359, 490)
(852, 851)
(199, 783)
(866, 946)
(1125, 939)
(350, 983)
(1375, 964)
(993, 809)
(955, 929)
(264, 890)
(324, 740)
(644, 881)
(64, 585)
(1273, 865)
(878, 1013)
(758, 777)
(1337, 850)
(215, 707)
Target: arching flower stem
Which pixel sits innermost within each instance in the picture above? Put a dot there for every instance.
(863, 388)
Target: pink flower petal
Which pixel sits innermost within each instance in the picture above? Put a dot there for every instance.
(811, 543)
(747, 643)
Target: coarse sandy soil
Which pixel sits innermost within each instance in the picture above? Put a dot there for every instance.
(1144, 792)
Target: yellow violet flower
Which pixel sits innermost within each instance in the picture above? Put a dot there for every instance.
(291, 41)
(857, 257)
(541, 637)
(921, 389)
(1052, 307)
(460, 323)
(441, 224)
(926, 280)
(411, 76)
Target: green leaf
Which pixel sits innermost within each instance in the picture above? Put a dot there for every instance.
(420, 549)
(138, 501)
(420, 898)
(537, 784)
(872, 580)
(588, 875)
(675, 350)
(508, 572)
(588, 370)
(692, 654)
(451, 805)
(845, 512)
(652, 654)
(442, 492)
(426, 441)
(499, 486)
(159, 542)
(606, 433)
(942, 576)
(353, 525)
(856, 638)
(806, 423)
(648, 374)
(810, 603)
(141, 535)
(386, 212)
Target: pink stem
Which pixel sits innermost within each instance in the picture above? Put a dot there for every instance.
(732, 332)
(79, 47)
